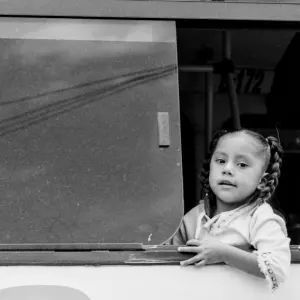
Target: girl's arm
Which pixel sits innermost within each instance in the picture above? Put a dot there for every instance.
(268, 235)
(212, 251)
(243, 260)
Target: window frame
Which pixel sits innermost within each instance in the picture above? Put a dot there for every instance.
(154, 9)
(186, 14)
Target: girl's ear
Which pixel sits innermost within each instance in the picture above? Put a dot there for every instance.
(263, 181)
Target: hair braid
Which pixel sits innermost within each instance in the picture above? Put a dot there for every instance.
(273, 169)
(206, 192)
(204, 176)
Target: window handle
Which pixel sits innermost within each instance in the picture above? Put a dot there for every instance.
(163, 129)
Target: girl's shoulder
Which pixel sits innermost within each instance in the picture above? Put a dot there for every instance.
(264, 210)
(196, 211)
(265, 213)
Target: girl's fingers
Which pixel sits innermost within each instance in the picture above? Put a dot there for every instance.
(192, 260)
(190, 249)
(193, 243)
(200, 264)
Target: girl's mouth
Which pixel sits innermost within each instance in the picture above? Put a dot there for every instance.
(226, 183)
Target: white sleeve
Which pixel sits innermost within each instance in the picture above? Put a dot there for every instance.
(268, 235)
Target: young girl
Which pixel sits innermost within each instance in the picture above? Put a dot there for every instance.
(234, 224)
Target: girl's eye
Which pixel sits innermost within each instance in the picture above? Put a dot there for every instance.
(242, 165)
(220, 161)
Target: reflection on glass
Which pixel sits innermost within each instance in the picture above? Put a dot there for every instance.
(79, 155)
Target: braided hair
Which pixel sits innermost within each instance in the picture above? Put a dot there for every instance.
(273, 152)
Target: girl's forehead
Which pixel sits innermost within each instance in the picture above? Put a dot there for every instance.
(238, 142)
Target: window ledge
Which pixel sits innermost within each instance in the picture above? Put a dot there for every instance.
(151, 255)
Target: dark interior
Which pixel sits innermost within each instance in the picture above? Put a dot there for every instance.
(271, 50)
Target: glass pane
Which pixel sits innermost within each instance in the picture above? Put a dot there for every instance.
(80, 159)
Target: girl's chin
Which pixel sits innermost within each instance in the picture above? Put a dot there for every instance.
(230, 202)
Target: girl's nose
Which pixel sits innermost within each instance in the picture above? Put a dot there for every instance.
(227, 170)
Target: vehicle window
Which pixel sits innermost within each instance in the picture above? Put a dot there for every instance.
(90, 131)
(266, 65)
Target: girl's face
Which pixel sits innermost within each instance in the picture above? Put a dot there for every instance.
(236, 169)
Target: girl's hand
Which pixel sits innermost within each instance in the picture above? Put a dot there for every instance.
(208, 251)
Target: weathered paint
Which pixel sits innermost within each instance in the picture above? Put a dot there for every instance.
(146, 282)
